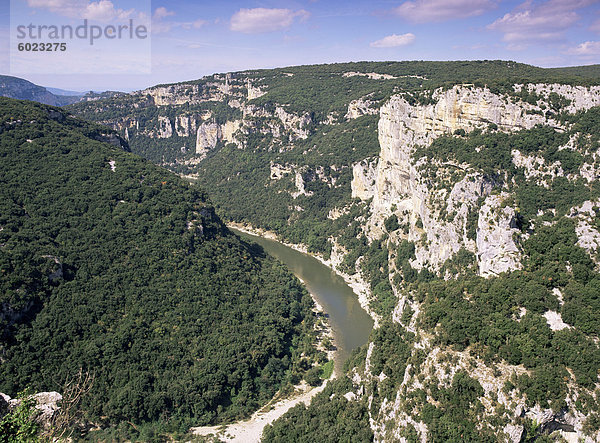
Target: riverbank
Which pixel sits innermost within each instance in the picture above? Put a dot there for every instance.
(324, 331)
(250, 431)
(317, 276)
(361, 288)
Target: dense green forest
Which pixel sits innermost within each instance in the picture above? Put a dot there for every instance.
(330, 418)
(112, 265)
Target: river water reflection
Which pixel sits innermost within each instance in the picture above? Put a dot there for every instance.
(350, 323)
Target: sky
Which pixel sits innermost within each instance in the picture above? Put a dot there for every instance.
(190, 39)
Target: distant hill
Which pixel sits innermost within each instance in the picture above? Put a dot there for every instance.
(58, 91)
(15, 87)
(84, 96)
(21, 89)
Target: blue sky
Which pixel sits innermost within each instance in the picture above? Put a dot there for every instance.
(194, 38)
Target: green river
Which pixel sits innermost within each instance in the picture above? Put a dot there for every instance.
(350, 323)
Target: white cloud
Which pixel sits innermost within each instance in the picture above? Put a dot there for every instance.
(393, 41)
(160, 26)
(538, 22)
(105, 11)
(585, 49)
(101, 10)
(162, 12)
(258, 20)
(422, 11)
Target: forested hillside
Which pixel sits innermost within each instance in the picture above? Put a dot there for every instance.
(464, 196)
(118, 268)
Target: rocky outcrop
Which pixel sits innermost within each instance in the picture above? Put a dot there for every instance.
(577, 97)
(47, 405)
(364, 175)
(496, 232)
(165, 128)
(207, 137)
(461, 107)
(124, 124)
(588, 236)
(555, 321)
(360, 107)
(535, 167)
(189, 93)
(400, 179)
(437, 215)
(279, 171)
(172, 95)
(186, 125)
(301, 175)
(229, 129)
(112, 139)
(371, 75)
(254, 92)
(295, 124)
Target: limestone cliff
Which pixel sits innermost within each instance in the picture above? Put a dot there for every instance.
(446, 207)
(201, 114)
(207, 137)
(165, 127)
(400, 180)
(360, 107)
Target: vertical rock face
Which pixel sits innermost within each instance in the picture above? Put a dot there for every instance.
(207, 137)
(229, 129)
(297, 125)
(165, 128)
(457, 108)
(445, 207)
(437, 216)
(364, 174)
(441, 212)
(185, 125)
(497, 227)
